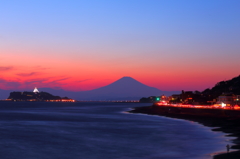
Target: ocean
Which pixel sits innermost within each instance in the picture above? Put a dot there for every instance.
(42, 130)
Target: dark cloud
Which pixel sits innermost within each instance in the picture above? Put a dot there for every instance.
(62, 79)
(42, 80)
(45, 81)
(84, 80)
(31, 83)
(27, 74)
(6, 68)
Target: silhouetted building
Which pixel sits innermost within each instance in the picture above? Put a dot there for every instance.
(236, 100)
(35, 90)
(225, 100)
(187, 97)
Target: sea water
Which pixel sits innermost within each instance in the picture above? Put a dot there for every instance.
(42, 130)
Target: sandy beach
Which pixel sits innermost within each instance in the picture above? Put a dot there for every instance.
(228, 125)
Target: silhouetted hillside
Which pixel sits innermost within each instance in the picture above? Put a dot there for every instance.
(224, 87)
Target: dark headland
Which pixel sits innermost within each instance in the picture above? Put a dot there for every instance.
(36, 96)
(226, 121)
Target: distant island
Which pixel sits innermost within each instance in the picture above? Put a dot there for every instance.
(37, 96)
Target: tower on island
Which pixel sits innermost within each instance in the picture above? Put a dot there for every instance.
(35, 90)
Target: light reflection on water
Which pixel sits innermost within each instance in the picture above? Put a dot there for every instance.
(100, 130)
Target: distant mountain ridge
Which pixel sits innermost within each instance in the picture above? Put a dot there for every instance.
(126, 88)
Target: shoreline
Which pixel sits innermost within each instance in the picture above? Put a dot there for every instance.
(228, 125)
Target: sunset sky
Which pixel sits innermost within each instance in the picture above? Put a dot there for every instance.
(86, 44)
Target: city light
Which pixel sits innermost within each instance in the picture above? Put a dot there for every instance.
(223, 105)
(216, 106)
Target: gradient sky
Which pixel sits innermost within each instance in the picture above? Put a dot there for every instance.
(86, 44)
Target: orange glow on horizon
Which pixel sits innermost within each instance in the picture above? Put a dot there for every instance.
(66, 73)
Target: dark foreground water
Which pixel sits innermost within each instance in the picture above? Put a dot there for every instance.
(38, 130)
